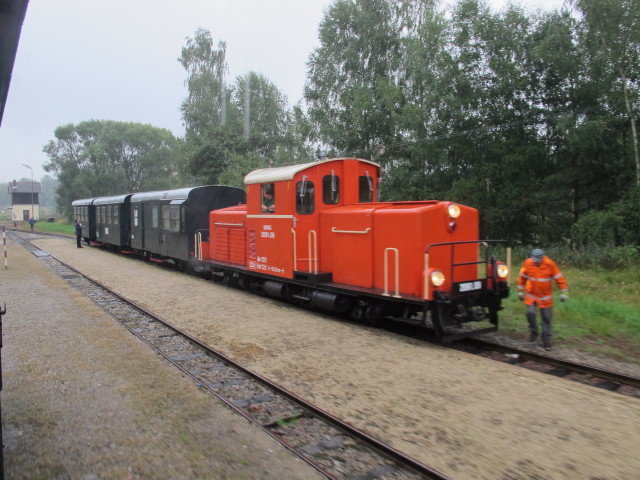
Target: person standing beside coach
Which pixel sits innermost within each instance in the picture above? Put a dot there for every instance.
(535, 289)
(78, 227)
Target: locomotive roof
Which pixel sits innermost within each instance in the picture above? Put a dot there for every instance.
(287, 173)
(112, 199)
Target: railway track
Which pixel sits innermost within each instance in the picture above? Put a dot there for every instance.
(333, 447)
(544, 363)
(578, 372)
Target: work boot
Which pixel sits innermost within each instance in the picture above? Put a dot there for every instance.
(547, 344)
(533, 336)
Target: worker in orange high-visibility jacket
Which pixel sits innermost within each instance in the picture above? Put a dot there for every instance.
(535, 289)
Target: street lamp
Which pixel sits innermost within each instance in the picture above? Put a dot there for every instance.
(33, 214)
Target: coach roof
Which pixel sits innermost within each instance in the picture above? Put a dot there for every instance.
(178, 194)
(111, 200)
(278, 174)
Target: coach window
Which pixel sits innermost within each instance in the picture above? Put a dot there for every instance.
(183, 218)
(116, 213)
(331, 189)
(109, 214)
(135, 217)
(155, 218)
(304, 197)
(268, 198)
(366, 188)
(174, 212)
(166, 218)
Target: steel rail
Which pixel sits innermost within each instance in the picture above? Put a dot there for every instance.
(604, 374)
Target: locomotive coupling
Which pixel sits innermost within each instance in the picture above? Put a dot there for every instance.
(474, 313)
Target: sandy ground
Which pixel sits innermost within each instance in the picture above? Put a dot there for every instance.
(82, 398)
(468, 417)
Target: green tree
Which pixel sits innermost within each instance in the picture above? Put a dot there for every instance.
(612, 29)
(103, 157)
(352, 88)
(225, 121)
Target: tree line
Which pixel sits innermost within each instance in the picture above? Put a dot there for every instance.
(529, 117)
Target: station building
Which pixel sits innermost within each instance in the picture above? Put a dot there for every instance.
(25, 200)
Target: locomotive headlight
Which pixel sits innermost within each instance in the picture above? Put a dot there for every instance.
(503, 270)
(454, 210)
(437, 278)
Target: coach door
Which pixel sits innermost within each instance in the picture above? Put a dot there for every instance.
(151, 227)
(137, 229)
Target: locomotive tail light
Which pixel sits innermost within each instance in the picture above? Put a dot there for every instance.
(502, 270)
(454, 211)
(437, 278)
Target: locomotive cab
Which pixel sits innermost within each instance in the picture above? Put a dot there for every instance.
(284, 214)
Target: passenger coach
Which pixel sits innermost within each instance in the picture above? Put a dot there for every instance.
(112, 221)
(164, 224)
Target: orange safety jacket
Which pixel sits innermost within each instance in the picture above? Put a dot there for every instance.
(535, 281)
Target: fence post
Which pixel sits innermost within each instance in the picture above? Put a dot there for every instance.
(4, 241)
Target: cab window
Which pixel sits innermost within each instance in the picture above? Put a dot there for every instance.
(366, 188)
(331, 189)
(268, 198)
(304, 197)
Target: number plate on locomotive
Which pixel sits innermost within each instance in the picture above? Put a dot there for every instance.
(466, 287)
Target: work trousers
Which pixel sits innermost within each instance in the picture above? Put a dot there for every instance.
(79, 240)
(546, 314)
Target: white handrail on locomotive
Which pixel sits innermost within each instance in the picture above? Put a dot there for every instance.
(362, 232)
(386, 272)
(313, 256)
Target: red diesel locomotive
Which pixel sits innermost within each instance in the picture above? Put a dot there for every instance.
(315, 234)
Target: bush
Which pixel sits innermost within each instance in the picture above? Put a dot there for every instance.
(600, 227)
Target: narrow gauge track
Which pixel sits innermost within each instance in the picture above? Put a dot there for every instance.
(334, 448)
(548, 364)
(588, 375)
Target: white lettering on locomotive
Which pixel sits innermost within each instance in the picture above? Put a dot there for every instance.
(470, 286)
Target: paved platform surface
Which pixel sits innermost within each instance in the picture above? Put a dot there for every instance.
(84, 399)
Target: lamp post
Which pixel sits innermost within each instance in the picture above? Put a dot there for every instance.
(33, 214)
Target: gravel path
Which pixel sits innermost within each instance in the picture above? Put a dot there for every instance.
(469, 417)
(84, 399)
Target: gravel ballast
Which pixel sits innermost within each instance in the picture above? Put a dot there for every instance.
(84, 399)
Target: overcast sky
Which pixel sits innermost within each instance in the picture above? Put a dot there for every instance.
(117, 60)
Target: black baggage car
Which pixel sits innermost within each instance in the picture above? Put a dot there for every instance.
(164, 224)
